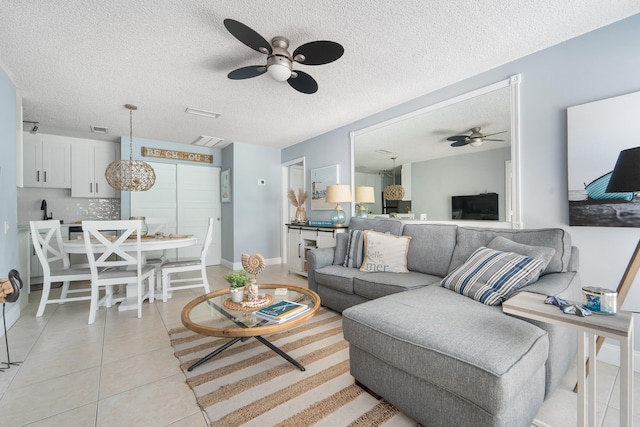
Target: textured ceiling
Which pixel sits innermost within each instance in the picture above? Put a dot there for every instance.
(77, 63)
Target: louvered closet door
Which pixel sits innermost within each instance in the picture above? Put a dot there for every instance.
(198, 198)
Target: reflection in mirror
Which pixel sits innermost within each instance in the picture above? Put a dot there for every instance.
(465, 146)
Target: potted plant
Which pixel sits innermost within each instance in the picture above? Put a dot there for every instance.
(237, 281)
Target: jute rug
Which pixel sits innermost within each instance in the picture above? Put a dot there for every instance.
(250, 385)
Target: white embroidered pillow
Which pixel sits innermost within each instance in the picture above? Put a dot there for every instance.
(385, 252)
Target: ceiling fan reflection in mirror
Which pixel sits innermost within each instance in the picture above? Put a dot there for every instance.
(279, 60)
(475, 139)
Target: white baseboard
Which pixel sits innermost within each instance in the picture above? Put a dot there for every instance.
(610, 353)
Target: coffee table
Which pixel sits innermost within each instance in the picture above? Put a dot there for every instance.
(208, 315)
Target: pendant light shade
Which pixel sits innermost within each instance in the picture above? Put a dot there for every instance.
(394, 192)
(130, 175)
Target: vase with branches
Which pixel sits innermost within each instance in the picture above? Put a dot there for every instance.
(298, 200)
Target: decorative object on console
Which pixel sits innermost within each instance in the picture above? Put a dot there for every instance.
(338, 194)
(364, 195)
(298, 202)
(394, 192)
(130, 175)
(279, 60)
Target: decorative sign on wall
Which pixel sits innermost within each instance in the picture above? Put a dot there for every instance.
(176, 155)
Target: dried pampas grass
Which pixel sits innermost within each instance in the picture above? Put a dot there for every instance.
(297, 201)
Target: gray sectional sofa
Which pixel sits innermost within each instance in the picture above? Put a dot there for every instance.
(441, 357)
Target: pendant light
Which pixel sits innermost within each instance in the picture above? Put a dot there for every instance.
(130, 175)
(394, 192)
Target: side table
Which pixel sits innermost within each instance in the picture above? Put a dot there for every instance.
(618, 327)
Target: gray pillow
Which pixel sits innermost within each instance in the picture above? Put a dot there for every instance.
(542, 253)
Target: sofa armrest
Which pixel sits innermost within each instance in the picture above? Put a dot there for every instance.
(317, 258)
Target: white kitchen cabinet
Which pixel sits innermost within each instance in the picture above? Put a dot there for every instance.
(90, 160)
(302, 239)
(46, 162)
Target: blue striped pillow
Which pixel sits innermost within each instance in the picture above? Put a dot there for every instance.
(489, 276)
(355, 249)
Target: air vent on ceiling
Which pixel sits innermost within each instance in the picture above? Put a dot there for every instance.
(207, 141)
(204, 113)
(383, 151)
(99, 129)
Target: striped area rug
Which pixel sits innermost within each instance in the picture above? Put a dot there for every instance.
(250, 385)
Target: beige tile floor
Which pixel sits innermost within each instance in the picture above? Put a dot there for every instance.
(121, 371)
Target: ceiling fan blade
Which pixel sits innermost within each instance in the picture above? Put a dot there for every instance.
(497, 133)
(247, 72)
(458, 138)
(318, 52)
(485, 139)
(248, 36)
(459, 143)
(303, 82)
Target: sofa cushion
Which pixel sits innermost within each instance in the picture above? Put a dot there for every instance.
(470, 239)
(385, 252)
(489, 276)
(355, 249)
(471, 350)
(392, 226)
(340, 250)
(376, 285)
(539, 252)
(337, 277)
(431, 247)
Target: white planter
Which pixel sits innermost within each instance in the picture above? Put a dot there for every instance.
(237, 294)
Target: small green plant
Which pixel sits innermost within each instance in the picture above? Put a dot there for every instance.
(237, 279)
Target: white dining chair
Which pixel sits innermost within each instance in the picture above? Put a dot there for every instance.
(174, 267)
(157, 226)
(110, 265)
(47, 242)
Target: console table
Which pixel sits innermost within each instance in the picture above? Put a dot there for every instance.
(618, 327)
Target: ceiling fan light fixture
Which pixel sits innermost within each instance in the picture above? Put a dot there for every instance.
(475, 142)
(279, 67)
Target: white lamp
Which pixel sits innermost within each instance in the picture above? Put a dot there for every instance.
(338, 194)
(364, 195)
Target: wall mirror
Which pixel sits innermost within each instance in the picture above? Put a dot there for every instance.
(465, 183)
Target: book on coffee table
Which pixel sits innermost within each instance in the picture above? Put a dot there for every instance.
(282, 311)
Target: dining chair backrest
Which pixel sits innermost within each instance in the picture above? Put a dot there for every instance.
(207, 242)
(156, 225)
(47, 242)
(109, 252)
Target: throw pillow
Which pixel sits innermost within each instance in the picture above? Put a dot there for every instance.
(489, 276)
(385, 252)
(542, 253)
(355, 249)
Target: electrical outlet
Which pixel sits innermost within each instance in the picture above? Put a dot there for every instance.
(262, 181)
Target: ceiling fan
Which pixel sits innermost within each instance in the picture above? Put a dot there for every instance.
(475, 139)
(279, 60)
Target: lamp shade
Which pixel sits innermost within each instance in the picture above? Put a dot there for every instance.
(365, 195)
(338, 193)
(626, 173)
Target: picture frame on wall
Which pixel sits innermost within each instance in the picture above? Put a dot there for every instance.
(597, 132)
(225, 186)
(321, 178)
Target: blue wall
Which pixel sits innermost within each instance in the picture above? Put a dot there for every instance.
(598, 65)
(8, 183)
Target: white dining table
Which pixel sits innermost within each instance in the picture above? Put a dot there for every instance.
(130, 300)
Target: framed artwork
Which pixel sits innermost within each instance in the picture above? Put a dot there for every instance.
(225, 186)
(597, 132)
(320, 179)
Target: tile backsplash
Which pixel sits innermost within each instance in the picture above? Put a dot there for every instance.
(62, 206)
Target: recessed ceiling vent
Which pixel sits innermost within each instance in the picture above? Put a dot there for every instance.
(99, 129)
(383, 151)
(207, 141)
(203, 113)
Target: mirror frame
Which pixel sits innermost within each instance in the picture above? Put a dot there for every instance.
(513, 219)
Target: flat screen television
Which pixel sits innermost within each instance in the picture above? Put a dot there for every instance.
(477, 207)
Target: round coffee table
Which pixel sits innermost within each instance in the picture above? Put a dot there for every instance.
(209, 315)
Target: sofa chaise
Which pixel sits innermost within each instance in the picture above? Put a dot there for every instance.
(440, 356)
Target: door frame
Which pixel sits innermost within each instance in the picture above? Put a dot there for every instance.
(284, 208)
